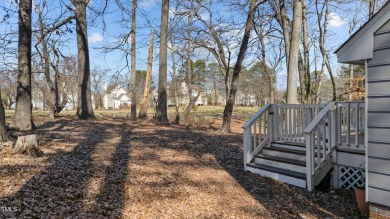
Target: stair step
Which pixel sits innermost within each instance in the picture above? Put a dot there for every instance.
(285, 153)
(289, 177)
(290, 145)
(283, 163)
(287, 150)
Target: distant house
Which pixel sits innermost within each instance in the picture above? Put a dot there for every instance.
(243, 99)
(201, 101)
(72, 101)
(115, 97)
(39, 100)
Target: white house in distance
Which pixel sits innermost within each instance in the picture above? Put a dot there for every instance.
(115, 96)
(72, 102)
(201, 101)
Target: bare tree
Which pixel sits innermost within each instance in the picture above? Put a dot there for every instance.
(44, 47)
(84, 99)
(306, 78)
(133, 86)
(323, 12)
(211, 38)
(189, 73)
(371, 8)
(68, 67)
(174, 74)
(261, 32)
(99, 77)
(23, 112)
(227, 113)
(4, 136)
(143, 112)
(292, 68)
(162, 115)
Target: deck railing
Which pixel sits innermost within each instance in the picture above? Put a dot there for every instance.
(257, 132)
(320, 127)
(351, 123)
(320, 139)
(292, 119)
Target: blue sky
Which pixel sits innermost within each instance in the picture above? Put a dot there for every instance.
(338, 26)
(148, 14)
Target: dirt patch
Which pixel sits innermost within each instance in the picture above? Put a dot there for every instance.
(118, 169)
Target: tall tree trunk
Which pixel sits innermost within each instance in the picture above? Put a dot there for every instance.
(143, 112)
(219, 53)
(174, 77)
(53, 101)
(23, 112)
(133, 67)
(4, 136)
(264, 63)
(319, 81)
(227, 113)
(84, 99)
(162, 115)
(371, 8)
(334, 93)
(322, 40)
(305, 42)
(285, 23)
(351, 70)
(292, 68)
(189, 76)
(301, 71)
(59, 89)
(215, 90)
(190, 105)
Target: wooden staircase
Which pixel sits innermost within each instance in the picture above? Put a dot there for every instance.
(295, 143)
(284, 161)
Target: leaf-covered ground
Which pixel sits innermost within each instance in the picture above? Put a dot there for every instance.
(118, 169)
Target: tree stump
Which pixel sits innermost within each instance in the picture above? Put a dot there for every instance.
(27, 144)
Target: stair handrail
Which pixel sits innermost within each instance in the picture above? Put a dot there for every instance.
(320, 132)
(254, 143)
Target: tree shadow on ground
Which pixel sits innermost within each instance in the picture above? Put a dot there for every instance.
(280, 200)
(65, 187)
(93, 179)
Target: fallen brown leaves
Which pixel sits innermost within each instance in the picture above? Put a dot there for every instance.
(116, 169)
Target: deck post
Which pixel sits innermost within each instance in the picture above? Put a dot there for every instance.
(275, 123)
(247, 145)
(335, 170)
(309, 162)
(270, 124)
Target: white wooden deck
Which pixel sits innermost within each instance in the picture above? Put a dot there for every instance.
(316, 129)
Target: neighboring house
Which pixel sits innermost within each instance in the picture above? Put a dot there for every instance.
(370, 47)
(221, 100)
(245, 99)
(115, 97)
(72, 102)
(37, 100)
(201, 101)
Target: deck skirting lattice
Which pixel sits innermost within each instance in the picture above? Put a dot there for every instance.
(350, 177)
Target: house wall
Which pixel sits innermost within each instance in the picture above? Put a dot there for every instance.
(110, 100)
(349, 52)
(378, 119)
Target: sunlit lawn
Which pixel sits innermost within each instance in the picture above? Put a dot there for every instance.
(239, 112)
